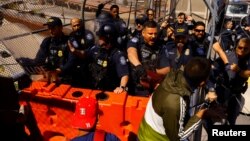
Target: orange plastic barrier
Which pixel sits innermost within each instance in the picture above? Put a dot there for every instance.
(53, 107)
(135, 108)
(60, 91)
(46, 90)
(111, 116)
(76, 93)
(34, 87)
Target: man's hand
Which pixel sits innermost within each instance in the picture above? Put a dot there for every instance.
(211, 96)
(189, 18)
(140, 71)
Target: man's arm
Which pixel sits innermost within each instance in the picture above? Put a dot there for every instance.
(245, 73)
(77, 52)
(133, 56)
(163, 71)
(219, 50)
(123, 85)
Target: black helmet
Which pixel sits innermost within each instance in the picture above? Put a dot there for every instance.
(104, 17)
(141, 19)
(107, 30)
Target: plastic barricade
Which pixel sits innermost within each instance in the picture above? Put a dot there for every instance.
(35, 86)
(134, 112)
(53, 114)
(60, 91)
(53, 107)
(46, 90)
(111, 114)
(76, 93)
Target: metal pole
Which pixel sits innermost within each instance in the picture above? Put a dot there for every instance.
(212, 26)
(83, 9)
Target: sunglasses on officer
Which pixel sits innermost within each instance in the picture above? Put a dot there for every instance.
(242, 48)
(199, 30)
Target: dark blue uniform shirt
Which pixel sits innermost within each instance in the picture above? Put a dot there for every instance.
(107, 67)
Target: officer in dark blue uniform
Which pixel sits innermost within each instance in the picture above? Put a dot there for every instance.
(108, 65)
(149, 60)
(113, 16)
(54, 53)
(179, 50)
(200, 41)
(79, 41)
(236, 79)
(139, 21)
(226, 36)
(183, 23)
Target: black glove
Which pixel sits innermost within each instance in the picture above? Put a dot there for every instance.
(101, 6)
(140, 71)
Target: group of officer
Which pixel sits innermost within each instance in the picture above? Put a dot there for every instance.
(114, 58)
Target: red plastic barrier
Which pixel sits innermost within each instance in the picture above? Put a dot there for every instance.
(135, 108)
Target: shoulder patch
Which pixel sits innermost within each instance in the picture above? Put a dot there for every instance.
(134, 40)
(89, 37)
(122, 60)
(209, 38)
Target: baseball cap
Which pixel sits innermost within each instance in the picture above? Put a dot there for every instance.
(85, 113)
(53, 21)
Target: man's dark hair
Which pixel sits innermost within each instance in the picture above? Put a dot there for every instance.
(199, 23)
(150, 24)
(181, 14)
(149, 9)
(114, 6)
(197, 70)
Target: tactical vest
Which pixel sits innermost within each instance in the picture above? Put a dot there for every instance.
(57, 54)
(99, 67)
(200, 49)
(149, 57)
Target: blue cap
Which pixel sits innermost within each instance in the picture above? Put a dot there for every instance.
(53, 21)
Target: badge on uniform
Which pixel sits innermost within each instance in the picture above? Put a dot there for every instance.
(60, 53)
(105, 64)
